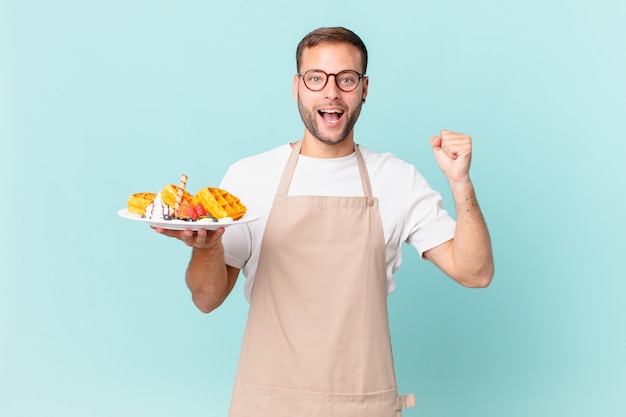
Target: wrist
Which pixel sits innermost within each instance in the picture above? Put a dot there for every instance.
(208, 252)
(461, 185)
(464, 196)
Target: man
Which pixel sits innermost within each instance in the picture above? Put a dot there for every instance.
(319, 262)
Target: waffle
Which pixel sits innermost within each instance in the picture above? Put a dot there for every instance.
(220, 203)
(169, 193)
(138, 202)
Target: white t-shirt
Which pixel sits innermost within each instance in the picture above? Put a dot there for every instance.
(410, 210)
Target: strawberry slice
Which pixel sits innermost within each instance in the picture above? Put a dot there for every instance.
(199, 210)
(186, 211)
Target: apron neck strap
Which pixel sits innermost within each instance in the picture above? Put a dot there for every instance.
(290, 167)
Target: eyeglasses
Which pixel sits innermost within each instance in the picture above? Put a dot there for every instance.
(346, 80)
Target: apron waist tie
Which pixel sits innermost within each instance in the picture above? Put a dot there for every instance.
(405, 401)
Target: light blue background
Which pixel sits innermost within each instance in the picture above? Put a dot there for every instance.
(101, 99)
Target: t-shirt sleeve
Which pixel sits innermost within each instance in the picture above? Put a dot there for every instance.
(428, 223)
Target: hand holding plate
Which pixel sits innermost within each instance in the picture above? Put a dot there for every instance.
(199, 239)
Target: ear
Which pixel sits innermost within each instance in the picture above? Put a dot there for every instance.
(366, 83)
(296, 80)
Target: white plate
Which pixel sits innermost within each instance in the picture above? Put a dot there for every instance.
(183, 225)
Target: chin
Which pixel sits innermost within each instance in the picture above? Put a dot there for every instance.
(336, 137)
(330, 141)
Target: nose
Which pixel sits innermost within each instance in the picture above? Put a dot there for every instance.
(331, 91)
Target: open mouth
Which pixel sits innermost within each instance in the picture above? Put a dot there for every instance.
(331, 116)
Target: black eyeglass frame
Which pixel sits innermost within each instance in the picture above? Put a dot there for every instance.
(302, 74)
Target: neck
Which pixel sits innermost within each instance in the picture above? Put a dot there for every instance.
(315, 148)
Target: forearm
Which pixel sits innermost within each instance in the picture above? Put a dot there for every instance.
(472, 254)
(207, 278)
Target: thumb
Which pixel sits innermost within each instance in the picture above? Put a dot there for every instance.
(435, 142)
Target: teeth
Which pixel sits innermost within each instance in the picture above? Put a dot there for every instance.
(331, 111)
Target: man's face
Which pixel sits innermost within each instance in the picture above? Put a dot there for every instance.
(329, 115)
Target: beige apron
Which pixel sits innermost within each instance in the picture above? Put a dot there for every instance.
(317, 340)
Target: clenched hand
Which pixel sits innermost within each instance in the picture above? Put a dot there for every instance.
(453, 153)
